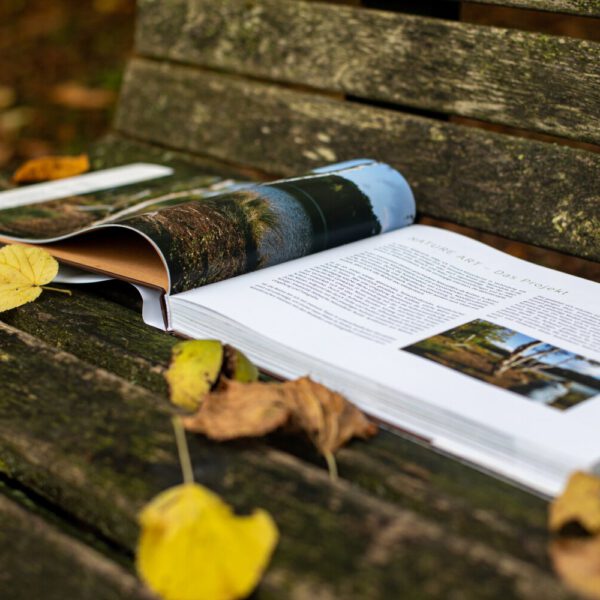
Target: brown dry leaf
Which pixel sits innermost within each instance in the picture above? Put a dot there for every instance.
(255, 409)
(75, 95)
(49, 168)
(326, 416)
(577, 561)
(240, 410)
(579, 503)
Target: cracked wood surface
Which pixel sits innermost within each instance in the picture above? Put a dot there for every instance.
(539, 82)
(522, 189)
(403, 521)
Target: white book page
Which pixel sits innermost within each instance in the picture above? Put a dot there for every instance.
(440, 317)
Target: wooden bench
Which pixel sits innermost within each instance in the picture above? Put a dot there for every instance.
(265, 88)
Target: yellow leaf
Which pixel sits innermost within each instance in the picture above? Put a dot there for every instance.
(238, 367)
(48, 168)
(579, 503)
(195, 367)
(577, 561)
(22, 271)
(193, 547)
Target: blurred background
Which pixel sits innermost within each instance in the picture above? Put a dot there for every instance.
(61, 63)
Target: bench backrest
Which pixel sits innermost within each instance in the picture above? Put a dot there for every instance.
(282, 86)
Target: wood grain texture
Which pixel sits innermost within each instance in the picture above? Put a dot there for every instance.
(100, 447)
(545, 83)
(389, 468)
(522, 189)
(584, 8)
(39, 561)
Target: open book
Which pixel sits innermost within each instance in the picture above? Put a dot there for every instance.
(485, 356)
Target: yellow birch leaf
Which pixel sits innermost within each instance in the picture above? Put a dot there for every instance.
(195, 367)
(579, 503)
(48, 168)
(23, 270)
(193, 547)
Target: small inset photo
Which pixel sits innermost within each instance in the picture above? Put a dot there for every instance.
(514, 361)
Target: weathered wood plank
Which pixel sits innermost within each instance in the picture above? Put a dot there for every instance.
(533, 81)
(394, 469)
(39, 561)
(585, 8)
(525, 190)
(114, 150)
(99, 447)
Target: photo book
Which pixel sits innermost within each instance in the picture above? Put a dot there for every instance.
(484, 356)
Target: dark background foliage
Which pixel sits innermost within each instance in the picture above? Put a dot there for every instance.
(61, 63)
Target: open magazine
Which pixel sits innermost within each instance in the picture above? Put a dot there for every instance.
(488, 357)
(166, 237)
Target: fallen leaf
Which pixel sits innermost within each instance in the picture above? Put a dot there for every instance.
(75, 95)
(49, 168)
(579, 503)
(326, 416)
(23, 270)
(577, 561)
(255, 409)
(192, 546)
(236, 365)
(197, 365)
(240, 410)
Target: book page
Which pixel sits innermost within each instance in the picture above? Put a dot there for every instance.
(440, 317)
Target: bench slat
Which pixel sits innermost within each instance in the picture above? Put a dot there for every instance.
(584, 8)
(544, 83)
(39, 561)
(388, 467)
(523, 189)
(99, 446)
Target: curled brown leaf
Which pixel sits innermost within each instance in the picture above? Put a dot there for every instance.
(240, 410)
(255, 409)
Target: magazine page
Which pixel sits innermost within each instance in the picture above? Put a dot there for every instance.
(438, 317)
(55, 209)
(260, 225)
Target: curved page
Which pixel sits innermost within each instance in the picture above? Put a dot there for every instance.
(187, 232)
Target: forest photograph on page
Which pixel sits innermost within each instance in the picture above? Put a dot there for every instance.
(514, 361)
(256, 226)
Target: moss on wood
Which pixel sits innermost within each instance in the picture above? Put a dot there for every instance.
(39, 561)
(528, 80)
(522, 189)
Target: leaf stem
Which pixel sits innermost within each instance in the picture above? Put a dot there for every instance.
(183, 451)
(53, 289)
(331, 466)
